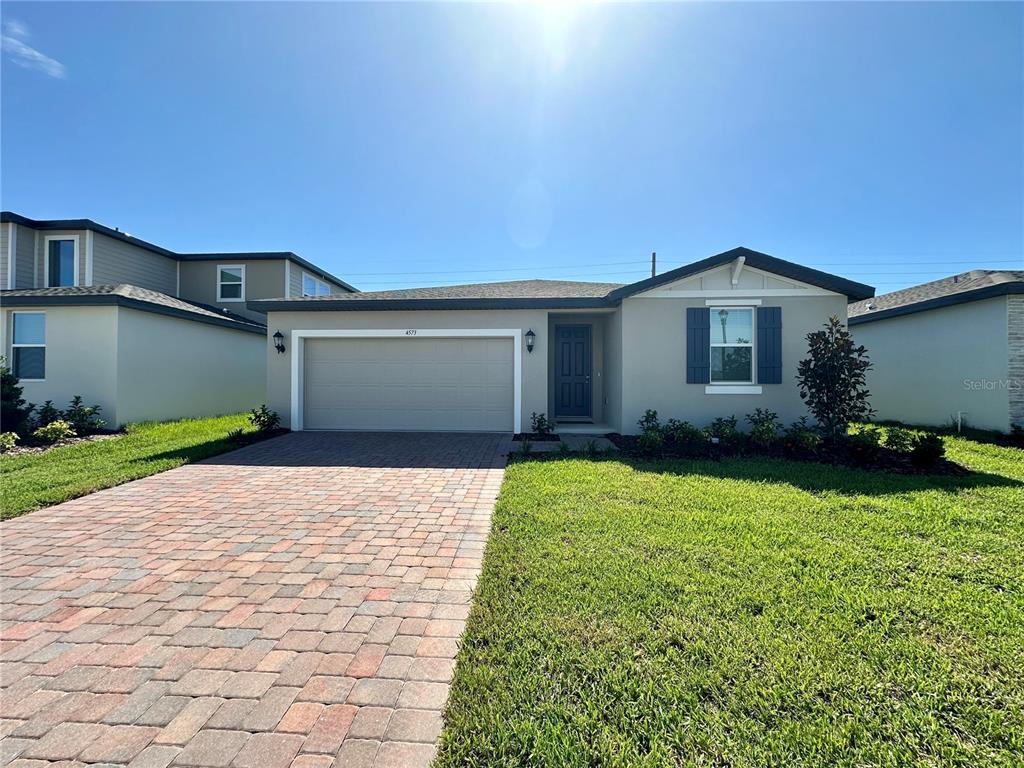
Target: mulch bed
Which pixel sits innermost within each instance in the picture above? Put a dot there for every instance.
(30, 447)
(888, 460)
(533, 437)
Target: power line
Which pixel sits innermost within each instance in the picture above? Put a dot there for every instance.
(983, 259)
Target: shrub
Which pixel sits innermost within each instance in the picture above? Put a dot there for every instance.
(540, 425)
(800, 439)
(724, 430)
(865, 444)
(83, 418)
(47, 414)
(264, 419)
(832, 379)
(649, 421)
(899, 439)
(54, 431)
(14, 411)
(928, 450)
(7, 441)
(236, 435)
(525, 448)
(764, 427)
(563, 449)
(651, 442)
(684, 437)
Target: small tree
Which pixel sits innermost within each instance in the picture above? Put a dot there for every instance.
(14, 411)
(832, 379)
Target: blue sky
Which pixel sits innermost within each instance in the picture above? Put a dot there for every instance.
(398, 144)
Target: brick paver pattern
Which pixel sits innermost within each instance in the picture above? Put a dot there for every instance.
(297, 602)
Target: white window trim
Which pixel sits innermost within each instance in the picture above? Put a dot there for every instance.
(297, 352)
(46, 257)
(318, 282)
(14, 345)
(732, 389)
(753, 352)
(219, 283)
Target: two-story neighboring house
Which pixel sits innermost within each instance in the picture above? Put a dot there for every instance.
(145, 332)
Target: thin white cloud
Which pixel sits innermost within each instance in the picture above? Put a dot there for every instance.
(24, 55)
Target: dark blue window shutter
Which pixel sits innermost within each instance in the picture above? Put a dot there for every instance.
(698, 345)
(769, 345)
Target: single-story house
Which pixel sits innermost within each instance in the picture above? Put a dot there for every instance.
(142, 331)
(947, 351)
(717, 337)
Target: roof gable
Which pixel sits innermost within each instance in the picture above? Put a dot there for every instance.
(793, 276)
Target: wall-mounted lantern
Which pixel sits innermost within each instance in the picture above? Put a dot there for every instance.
(531, 337)
(279, 342)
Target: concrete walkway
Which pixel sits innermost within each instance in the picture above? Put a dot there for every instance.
(294, 603)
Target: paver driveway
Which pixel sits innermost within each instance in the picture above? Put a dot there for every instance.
(297, 602)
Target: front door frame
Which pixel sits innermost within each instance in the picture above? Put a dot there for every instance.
(589, 416)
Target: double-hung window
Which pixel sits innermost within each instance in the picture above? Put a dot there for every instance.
(312, 286)
(28, 345)
(732, 345)
(231, 283)
(61, 261)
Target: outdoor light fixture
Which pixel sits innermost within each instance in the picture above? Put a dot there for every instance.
(530, 338)
(279, 342)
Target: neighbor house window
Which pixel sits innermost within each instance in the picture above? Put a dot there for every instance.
(28, 345)
(231, 283)
(732, 345)
(312, 286)
(61, 255)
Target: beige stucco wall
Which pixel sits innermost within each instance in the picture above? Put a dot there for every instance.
(535, 368)
(264, 279)
(170, 368)
(929, 365)
(140, 366)
(81, 357)
(654, 361)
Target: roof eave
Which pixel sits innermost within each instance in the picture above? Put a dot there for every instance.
(378, 305)
(116, 300)
(989, 292)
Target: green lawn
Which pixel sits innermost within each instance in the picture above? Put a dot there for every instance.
(747, 613)
(30, 481)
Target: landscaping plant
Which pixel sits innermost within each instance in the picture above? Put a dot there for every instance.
(14, 411)
(832, 379)
(866, 444)
(540, 424)
(899, 439)
(7, 441)
(684, 438)
(54, 431)
(800, 440)
(724, 429)
(84, 419)
(264, 419)
(47, 413)
(764, 427)
(928, 450)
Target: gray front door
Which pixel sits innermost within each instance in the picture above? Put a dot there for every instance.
(572, 372)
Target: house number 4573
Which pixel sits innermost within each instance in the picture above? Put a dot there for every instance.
(410, 332)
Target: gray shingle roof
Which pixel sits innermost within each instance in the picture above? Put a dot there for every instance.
(955, 289)
(511, 289)
(129, 295)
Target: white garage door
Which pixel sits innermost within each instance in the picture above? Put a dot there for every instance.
(408, 384)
